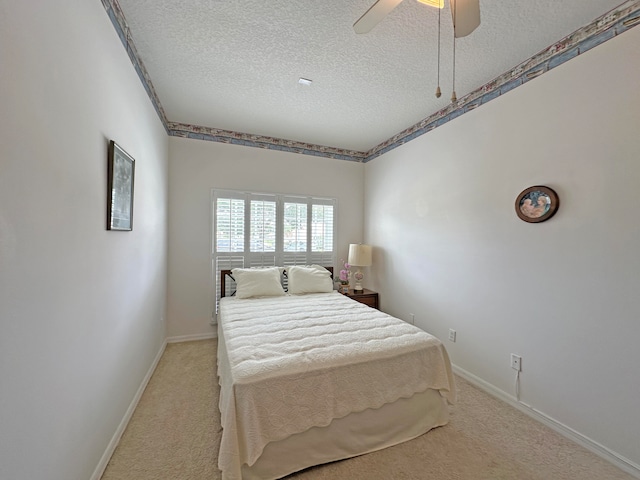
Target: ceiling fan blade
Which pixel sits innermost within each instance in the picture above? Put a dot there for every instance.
(466, 16)
(374, 15)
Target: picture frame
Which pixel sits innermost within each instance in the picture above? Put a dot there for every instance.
(537, 204)
(121, 176)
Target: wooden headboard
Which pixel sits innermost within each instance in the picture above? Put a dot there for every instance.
(227, 273)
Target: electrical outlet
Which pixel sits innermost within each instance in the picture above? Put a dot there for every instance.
(516, 362)
(413, 319)
(452, 335)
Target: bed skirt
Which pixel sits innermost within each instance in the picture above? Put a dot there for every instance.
(356, 434)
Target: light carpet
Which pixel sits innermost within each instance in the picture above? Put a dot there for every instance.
(174, 434)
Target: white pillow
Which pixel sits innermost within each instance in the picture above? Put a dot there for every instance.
(257, 282)
(309, 279)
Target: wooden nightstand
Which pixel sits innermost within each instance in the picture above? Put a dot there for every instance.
(368, 297)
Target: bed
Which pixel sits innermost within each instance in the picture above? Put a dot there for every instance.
(310, 376)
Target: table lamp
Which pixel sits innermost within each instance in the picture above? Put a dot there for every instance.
(359, 256)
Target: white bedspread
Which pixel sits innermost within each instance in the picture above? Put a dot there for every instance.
(289, 363)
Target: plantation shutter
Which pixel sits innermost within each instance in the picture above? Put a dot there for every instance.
(262, 227)
(322, 250)
(228, 236)
(294, 244)
(230, 225)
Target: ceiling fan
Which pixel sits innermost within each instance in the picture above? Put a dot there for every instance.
(465, 13)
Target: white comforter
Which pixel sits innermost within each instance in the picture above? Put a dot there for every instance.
(286, 364)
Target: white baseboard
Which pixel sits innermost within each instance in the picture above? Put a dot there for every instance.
(191, 338)
(616, 459)
(102, 465)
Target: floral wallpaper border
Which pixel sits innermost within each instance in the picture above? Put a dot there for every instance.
(122, 29)
(606, 27)
(259, 141)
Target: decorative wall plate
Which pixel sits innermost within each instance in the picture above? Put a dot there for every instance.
(537, 204)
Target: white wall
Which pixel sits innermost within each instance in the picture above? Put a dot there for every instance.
(81, 308)
(562, 294)
(195, 168)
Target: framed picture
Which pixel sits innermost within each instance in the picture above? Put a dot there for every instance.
(537, 204)
(120, 189)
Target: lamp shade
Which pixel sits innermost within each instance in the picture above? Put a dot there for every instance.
(359, 255)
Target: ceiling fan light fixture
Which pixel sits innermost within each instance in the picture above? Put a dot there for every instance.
(433, 3)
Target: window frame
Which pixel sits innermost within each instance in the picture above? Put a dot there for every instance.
(235, 259)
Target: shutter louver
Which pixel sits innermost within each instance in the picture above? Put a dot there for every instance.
(322, 228)
(295, 227)
(226, 263)
(229, 225)
(263, 226)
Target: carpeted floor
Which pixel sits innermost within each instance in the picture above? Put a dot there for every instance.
(174, 434)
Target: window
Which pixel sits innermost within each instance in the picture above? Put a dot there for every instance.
(252, 230)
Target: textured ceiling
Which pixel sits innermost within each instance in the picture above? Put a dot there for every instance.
(235, 64)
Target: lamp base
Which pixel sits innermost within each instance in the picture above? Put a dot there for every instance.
(358, 277)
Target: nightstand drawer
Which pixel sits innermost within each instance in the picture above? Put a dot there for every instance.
(367, 297)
